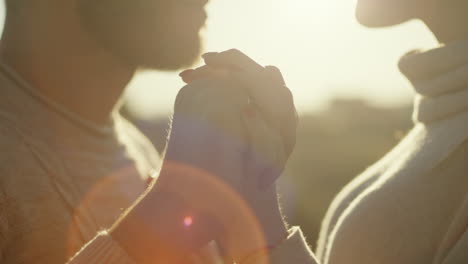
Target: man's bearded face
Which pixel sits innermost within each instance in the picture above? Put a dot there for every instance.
(156, 34)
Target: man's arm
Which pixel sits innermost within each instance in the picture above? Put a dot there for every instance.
(196, 191)
(104, 249)
(154, 230)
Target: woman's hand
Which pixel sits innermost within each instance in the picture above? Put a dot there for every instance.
(270, 121)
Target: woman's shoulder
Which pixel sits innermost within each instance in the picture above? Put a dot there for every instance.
(357, 186)
(453, 249)
(341, 201)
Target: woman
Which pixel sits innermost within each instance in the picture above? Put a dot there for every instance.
(411, 206)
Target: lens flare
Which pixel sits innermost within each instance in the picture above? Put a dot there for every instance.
(122, 187)
(188, 221)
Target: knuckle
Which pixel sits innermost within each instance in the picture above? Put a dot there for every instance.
(273, 68)
(275, 73)
(184, 93)
(234, 52)
(291, 111)
(296, 120)
(288, 95)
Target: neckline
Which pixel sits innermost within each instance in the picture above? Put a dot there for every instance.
(440, 79)
(62, 111)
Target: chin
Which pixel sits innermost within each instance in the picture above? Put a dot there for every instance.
(176, 55)
(150, 34)
(167, 51)
(166, 48)
(378, 13)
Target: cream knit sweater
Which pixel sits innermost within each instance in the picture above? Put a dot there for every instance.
(412, 206)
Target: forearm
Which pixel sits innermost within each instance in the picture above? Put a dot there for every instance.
(167, 234)
(105, 249)
(155, 230)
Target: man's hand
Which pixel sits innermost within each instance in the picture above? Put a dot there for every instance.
(198, 194)
(233, 129)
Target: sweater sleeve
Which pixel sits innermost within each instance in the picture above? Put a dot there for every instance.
(102, 249)
(293, 250)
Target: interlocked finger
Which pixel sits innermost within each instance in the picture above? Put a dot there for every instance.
(232, 59)
(273, 100)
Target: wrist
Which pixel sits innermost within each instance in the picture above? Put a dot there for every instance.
(268, 231)
(275, 231)
(162, 228)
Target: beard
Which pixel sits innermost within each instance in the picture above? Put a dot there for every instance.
(151, 34)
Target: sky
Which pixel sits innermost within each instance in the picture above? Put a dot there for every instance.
(319, 46)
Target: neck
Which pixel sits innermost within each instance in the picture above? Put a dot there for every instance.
(66, 66)
(447, 21)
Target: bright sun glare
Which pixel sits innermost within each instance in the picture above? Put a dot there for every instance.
(318, 45)
(316, 11)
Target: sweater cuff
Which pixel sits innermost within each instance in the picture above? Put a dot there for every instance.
(292, 250)
(102, 249)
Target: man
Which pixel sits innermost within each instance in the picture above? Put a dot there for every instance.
(71, 165)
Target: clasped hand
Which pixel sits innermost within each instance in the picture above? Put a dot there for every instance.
(233, 130)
